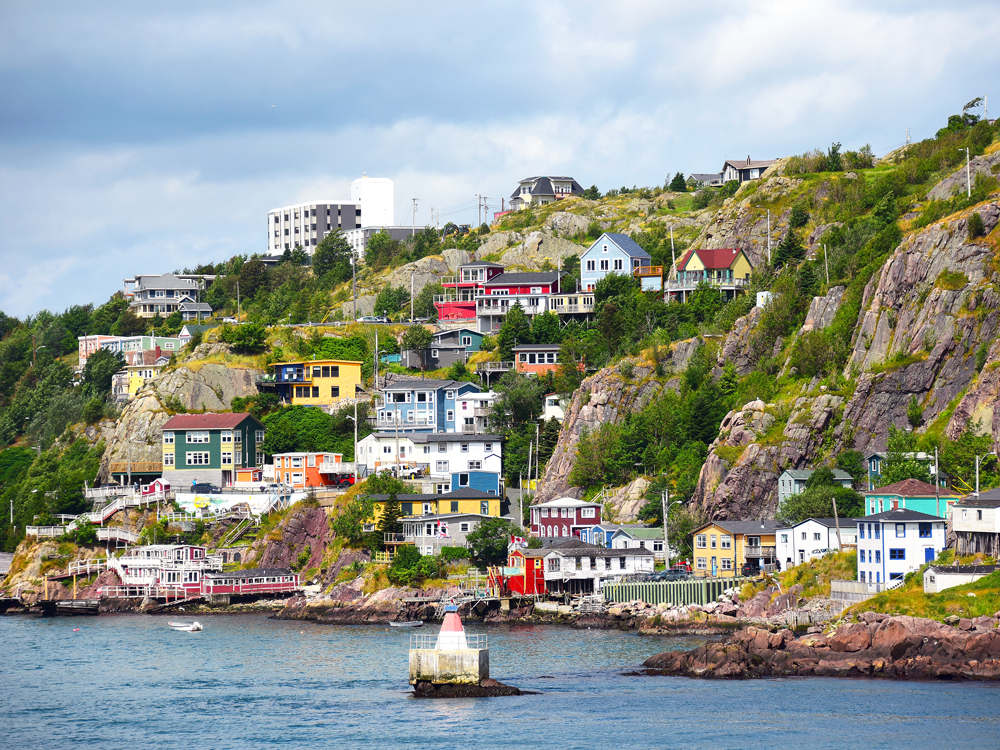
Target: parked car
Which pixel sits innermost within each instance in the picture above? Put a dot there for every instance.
(750, 569)
(369, 319)
(674, 574)
(229, 320)
(407, 472)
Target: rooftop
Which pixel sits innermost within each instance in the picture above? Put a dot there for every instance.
(911, 488)
(712, 258)
(625, 243)
(899, 515)
(208, 421)
(437, 437)
(537, 347)
(964, 569)
(765, 526)
(535, 277)
(838, 474)
(564, 502)
(462, 494)
(748, 163)
(988, 499)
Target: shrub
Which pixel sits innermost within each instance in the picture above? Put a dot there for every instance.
(93, 410)
(799, 216)
(594, 230)
(981, 353)
(976, 228)
(454, 553)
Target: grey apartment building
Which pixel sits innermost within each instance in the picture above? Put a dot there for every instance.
(306, 224)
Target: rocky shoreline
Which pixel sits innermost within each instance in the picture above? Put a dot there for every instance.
(875, 645)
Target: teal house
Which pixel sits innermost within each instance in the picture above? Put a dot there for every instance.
(210, 448)
(911, 494)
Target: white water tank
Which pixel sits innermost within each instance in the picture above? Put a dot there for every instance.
(763, 298)
(376, 197)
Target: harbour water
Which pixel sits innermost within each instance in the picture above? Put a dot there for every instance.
(250, 682)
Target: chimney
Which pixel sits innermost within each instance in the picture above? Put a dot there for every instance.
(748, 159)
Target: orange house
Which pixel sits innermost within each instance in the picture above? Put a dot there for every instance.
(536, 359)
(300, 470)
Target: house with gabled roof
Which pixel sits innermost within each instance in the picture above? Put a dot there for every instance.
(726, 268)
(532, 291)
(538, 191)
(210, 447)
(744, 171)
(895, 542)
(975, 520)
(612, 252)
(911, 494)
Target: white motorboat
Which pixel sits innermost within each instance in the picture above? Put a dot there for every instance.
(186, 627)
(407, 624)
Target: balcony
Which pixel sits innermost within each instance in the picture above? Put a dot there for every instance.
(419, 420)
(334, 467)
(648, 271)
(573, 304)
(689, 284)
(481, 413)
(494, 366)
(749, 552)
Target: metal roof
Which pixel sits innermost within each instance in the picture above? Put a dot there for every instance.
(899, 515)
(564, 502)
(988, 499)
(208, 421)
(765, 526)
(806, 473)
(537, 277)
(911, 488)
(623, 242)
(964, 569)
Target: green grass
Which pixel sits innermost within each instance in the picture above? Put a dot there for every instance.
(897, 361)
(729, 453)
(952, 281)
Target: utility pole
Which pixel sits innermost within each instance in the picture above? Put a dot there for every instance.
(238, 309)
(664, 499)
(968, 177)
(836, 520)
(673, 257)
(768, 236)
(413, 231)
(354, 289)
(529, 465)
(486, 214)
(520, 500)
(479, 220)
(411, 296)
(538, 449)
(826, 265)
(937, 484)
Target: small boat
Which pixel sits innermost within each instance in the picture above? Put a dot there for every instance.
(407, 624)
(186, 627)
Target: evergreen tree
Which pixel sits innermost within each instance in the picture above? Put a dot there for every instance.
(389, 521)
(808, 282)
(418, 339)
(799, 216)
(333, 256)
(789, 250)
(678, 184)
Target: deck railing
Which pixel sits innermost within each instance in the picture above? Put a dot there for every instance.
(45, 531)
(426, 641)
(494, 366)
(87, 567)
(107, 534)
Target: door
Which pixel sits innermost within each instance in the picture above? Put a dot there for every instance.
(715, 567)
(929, 554)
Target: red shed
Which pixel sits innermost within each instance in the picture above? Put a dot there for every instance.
(525, 572)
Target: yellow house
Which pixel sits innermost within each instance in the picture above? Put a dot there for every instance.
(726, 268)
(139, 374)
(321, 382)
(464, 500)
(724, 548)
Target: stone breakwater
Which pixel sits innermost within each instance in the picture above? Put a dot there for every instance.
(876, 645)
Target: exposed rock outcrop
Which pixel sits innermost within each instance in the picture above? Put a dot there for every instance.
(955, 183)
(877, 646)
(537, 249)
(822, 310)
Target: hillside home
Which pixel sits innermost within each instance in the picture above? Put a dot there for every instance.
(813, 538)
(893, 543)
(207, 448)
(911, 494)
(725, 548)
(462, 502)
(161, 295)
(321, 382)
(420, 404)
(586, 568)
(190, 329)
(536, 359)
(539, 191)
(976, 523)
(430, 532)
(458, 302)
(639, 537)
(793, 482)
(300, 470)
(555, 408)
(126, 383)
(713, 179)
(939, 578)
(525, 571)
(447, 347)
(446, 461)
(564, 516)
(744, 171)
(529, 290)
(725, 268)
(610, 253)
(472, 412)
(877, 459)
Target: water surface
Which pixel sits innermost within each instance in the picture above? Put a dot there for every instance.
(246, 681)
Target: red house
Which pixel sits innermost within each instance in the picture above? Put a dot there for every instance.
(459, 300)
(564, 516)
(525, 571)
(529, 290)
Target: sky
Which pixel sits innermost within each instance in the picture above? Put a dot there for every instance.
(146, 137)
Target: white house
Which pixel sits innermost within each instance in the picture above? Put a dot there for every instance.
(450, 461)
(542, 190)
(813, 538)
(555, 408)
(939, 578)
(429, 533)
(612, 252)
(893, 543)
(793, 481)
(585, 568)
(976, 523)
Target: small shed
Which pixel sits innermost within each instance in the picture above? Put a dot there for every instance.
(939, 578)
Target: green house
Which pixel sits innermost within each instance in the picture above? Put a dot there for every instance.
(911, 494)
(210, 448)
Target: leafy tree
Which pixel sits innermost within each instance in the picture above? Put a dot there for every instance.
(423, 305)
(614, 285)
(516, 329)
(678, 184)
(129, 324)
(817, 502)
(594, 230)
(899, 461)
(571, 268)
(247, 338)
(418, 339)
(332, 259)
(519, 400)
(107, 314)
(833, 160)
(252, 277)
(349, 523)
(14, 462)
(545, 328)
(490, 539)
(853, 462)
(592, 193)
(86, 534)
(914, 413)
(380, 250)
(93, 410)
(97, 373)
(704, 302)
(958, 457)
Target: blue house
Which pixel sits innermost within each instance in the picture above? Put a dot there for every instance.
(611, 253)
(412, 404)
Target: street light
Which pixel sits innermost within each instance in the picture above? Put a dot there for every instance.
(667, 505)
(985, 455)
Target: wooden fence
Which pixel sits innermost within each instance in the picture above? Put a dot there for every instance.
(695, 591)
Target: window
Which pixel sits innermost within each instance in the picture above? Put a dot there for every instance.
(441, 467)
(591, 265)
(227, 457)
(168, 459)
(604, 265)
(451, 416)
(862, 556)
(587, 513)
(727, 563)
(621, 563)
(475, 465)
(317, 372)
(897, 554)
(816, 536)
(925, 530)
(552, 564)
(878, 531)
(701, 541)
(197, 437)
(450, 395)
(464, 447)
(297, 477)
(878, 556)
(442, 447)
(784, 538)
(335, 391)
(753, 541)
(861, 531)
(442, 489)
(387, 449)
(191, 576)
(464, 526)
(198, 459)
(260, 458)
(315, 391)
(545, 512)
(803, 536)
(484, 507)
(463, 480)
(618, 264)
(713, 544)
(454, 506)
(578, 563)
(900, 530)
(297, 462)
(406, 509)
(727, 541)
(466, 340)
(311, 459)
(488, 447)
(227, 436)
(168, 438)
(604, 248)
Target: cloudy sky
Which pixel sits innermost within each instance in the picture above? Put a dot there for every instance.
(143, 137)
